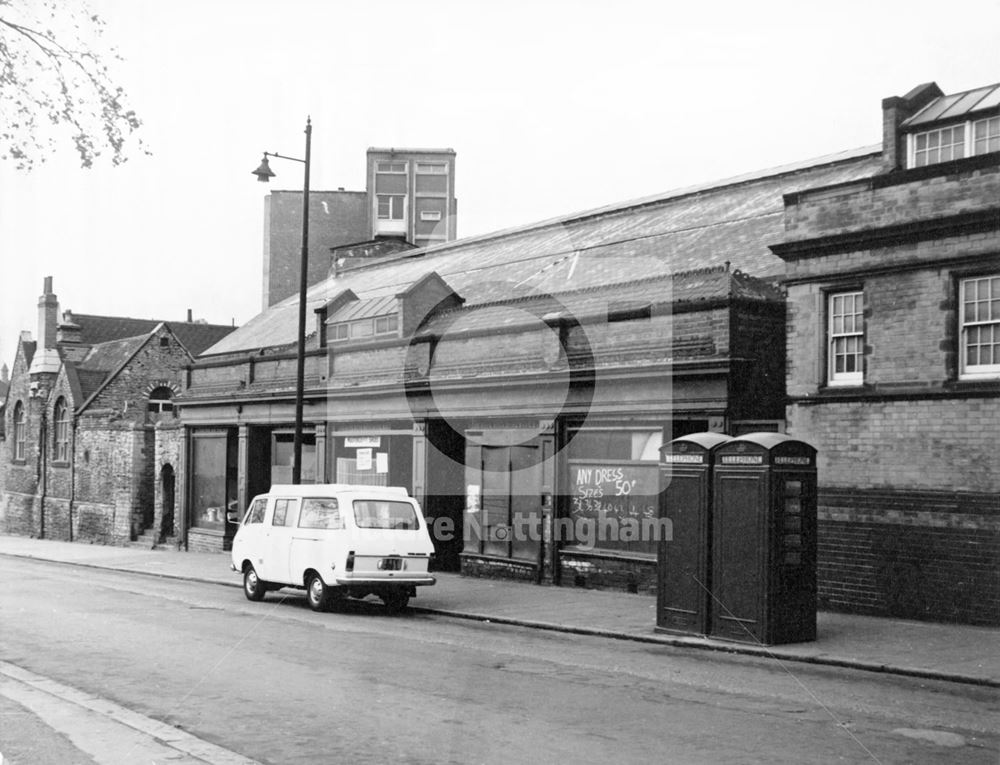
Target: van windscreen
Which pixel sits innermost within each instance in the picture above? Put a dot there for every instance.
(384, 514)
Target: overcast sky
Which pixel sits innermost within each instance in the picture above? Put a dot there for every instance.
(552, 107)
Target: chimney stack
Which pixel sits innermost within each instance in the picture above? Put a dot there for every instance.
(895, 111)
(69, 330)
(46, 358)
(190, 316)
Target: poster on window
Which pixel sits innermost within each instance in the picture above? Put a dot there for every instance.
(381, 462)
(363, 458)
(472, 504)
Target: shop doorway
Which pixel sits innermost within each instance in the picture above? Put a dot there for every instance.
(167, 490)
(504, 509)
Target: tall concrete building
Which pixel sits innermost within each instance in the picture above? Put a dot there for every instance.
(409, 201)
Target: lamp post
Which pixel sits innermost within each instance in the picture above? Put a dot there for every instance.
(264, 174)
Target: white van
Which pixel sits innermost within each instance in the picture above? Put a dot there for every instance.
(334, 541)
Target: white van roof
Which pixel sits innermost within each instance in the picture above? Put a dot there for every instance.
(325, 489)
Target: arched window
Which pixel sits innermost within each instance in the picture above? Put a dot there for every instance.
(60, 417)
(19, 431)
(160, 400)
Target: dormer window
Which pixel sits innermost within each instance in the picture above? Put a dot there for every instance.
(986, 135)
(953, 127)
(365, 329)
(935, 146)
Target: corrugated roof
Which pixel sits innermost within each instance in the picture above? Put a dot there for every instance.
(733, 220)
(957, 105)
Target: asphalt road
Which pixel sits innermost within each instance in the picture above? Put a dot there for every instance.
(277, 683)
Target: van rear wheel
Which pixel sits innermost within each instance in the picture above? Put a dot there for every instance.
(253, 587)
(396, 600)
(318, 594)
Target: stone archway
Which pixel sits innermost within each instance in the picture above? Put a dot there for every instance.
(167, 492)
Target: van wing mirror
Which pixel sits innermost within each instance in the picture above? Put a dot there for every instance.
(233, 516)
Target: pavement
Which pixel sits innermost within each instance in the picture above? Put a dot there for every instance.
(949, 652)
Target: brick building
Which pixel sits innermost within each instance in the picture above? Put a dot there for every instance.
(90, 451)
(409, 201)
(893, 371)
(516, 382)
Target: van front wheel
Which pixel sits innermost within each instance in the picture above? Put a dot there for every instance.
(317, 593)
(253, 587)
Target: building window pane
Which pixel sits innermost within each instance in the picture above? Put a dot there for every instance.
(61, 418)
(942, 145)
(19, 431)
(986, 135)
(390, 206)
(980, 330)
(209, 482)
(846, 338)
(432, 168)
(160, 400)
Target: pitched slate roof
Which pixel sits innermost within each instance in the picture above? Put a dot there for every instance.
(101, 361)
(196, 337)
(704, 226)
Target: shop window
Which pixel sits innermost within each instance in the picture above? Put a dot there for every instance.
(20, 428)
(283, 454)
(213, 485)
(845, 338)
(60, 416)
(980, 326)
(613, 479)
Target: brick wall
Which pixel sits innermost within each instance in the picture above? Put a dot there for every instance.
(336, 218)
(862, 206)
(108, 492)
(909, 507)
(910, 314)
(894, 554)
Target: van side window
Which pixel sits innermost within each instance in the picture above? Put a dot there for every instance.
(284, 512)
(320, 514)
(379, 514)
(256, 514)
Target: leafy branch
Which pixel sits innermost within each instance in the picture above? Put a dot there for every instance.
(55, 83)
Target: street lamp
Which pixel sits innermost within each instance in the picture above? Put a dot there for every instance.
(264, 174)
